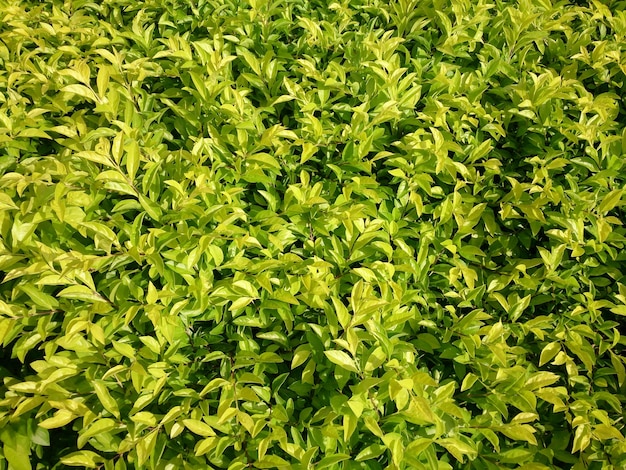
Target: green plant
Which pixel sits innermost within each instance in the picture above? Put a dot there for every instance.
(305, 234)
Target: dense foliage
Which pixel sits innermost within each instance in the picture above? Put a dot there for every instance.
(375, 234)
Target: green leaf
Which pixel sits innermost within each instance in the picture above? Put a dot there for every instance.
(375, 360)
(40, 298)
(105, 398)
(6, 203)
(548, 352)
(82, 91)
(418, 446)
(582, 438)
(468, 381)
(18, 457)
(300, 357)
(83, 458)
(620, 370)
(370, 452)
(331, 460)
(341, 359)
(541, 379)
(132, 160)
(205, 446)
(151, 208)
(22, 231)
(81, 293)
(97, 427)
(59, 419)
(458, 448)
(145, 446)
(519, 432)
(96, 158)
(272, 461)
(610, 201)
(250, 59)
(198, 427)
(605, 432)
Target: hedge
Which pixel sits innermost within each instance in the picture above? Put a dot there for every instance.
(361, 234)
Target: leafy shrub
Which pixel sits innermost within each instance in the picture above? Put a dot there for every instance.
(305, 234)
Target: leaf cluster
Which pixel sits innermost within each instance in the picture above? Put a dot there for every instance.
(357, 234)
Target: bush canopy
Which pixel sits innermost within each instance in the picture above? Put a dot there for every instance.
(299, 234)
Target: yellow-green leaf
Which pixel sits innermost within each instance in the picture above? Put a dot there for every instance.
(341, 359)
